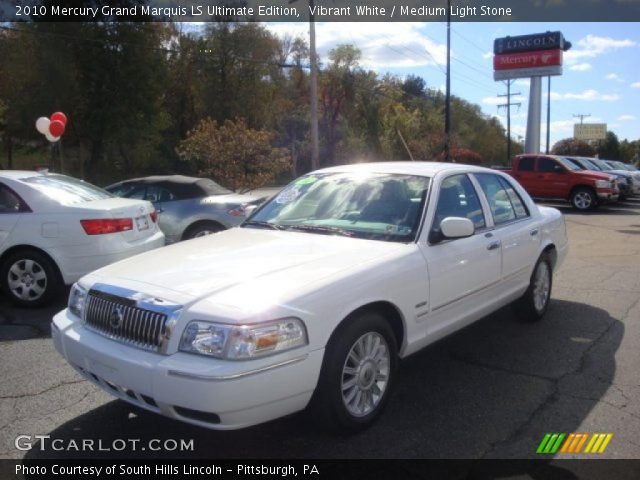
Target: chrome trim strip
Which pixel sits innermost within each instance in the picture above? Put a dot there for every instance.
(468, 294)
(220, 378)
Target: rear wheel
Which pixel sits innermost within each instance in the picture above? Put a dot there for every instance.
(202, 229)
(357, 374)
(534, 303)
(29, 278)
(583, 199)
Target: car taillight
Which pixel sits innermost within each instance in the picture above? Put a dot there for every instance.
(154, 216)
(100, 226)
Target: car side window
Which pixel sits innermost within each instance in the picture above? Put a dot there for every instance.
(498, 198)
(546, 165)
(458, 198)
(156, 193)
(516, 200)
(9, 201)
(526, 164)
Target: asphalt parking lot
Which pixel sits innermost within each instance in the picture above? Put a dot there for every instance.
(490, 391)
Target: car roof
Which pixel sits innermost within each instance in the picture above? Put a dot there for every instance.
(427, 169)
(19, 174)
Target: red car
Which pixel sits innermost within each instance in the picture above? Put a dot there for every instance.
(552, 177)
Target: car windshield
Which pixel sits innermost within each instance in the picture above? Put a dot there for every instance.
(374, 206)
(569, 164)
(575, 162)
(592, 165)
(66, 190)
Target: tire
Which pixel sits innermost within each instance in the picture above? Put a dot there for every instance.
(29, 278)
(583, 199)
(534, 303)
(202, 229)
(358, 373)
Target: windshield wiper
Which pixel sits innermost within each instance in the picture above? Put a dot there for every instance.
(257, 223)
(321, 229)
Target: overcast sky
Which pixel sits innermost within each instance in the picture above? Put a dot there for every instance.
(601, 71)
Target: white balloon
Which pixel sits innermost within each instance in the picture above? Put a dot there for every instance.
(42, 125)
(51, 138)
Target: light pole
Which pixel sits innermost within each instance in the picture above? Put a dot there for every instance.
(447, 106)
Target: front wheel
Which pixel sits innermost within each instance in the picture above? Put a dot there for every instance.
(534, 303)
(202, 229)
(583, 199)
(357, 374)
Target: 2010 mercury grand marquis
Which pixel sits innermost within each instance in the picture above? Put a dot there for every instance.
(315, 297)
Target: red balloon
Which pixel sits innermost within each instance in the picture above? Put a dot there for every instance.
(60, 117)
(56, 128)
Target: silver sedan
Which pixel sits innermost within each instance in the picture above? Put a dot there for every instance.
(189, 207)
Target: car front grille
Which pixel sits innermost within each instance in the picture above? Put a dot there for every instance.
(120, 319)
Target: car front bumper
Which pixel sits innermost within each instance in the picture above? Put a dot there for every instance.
(203, 391)
(608, 196)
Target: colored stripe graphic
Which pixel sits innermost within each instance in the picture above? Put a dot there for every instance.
(551, 443)
(573, 443)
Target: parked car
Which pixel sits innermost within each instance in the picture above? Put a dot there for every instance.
(623, 182)
(315, 298)
(552, 177)
(54, 229)
(622, 169)
(188, 207)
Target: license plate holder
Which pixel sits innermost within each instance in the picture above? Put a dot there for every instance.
(142, 223)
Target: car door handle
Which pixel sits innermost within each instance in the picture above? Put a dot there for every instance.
(534, 232)
(493, 245)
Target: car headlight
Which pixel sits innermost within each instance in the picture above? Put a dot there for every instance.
(240, 342)
(603, 184)
(77, 299)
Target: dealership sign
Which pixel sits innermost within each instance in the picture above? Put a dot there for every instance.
(527, 43)
(590, 131)
(528, 56)
(542, 58)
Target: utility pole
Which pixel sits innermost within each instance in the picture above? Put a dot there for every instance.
(507, 105)
(447, 106)
(582, 116)
(315, 145)
(313, 88)
(548, 112)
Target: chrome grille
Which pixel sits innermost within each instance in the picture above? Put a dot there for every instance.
(120, 319)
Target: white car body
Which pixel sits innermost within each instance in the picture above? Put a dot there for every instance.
(247, 276)
(52, 226)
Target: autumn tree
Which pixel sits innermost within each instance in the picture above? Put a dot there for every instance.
(571, 146)
(234, 155)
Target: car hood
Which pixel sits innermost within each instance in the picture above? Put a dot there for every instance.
(251, 262)
(233, 198)
(596, 175)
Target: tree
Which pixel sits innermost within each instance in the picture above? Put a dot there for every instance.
(571, 146)
(233, 154)
(610, 147)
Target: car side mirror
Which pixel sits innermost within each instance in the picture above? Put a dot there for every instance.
(248, 210)
(457, 227)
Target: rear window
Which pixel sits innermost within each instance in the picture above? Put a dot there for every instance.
(66, 190)
(526, 164)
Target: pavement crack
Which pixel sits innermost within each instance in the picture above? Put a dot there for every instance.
(488, 366)
(35, 394)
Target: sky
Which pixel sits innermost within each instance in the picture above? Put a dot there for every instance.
(601, 74)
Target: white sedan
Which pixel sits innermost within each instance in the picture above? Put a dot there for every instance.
(54, 229)
(313, 300)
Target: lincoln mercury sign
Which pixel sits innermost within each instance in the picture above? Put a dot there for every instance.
(526, 56)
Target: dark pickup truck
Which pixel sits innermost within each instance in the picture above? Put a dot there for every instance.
(552, 177)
